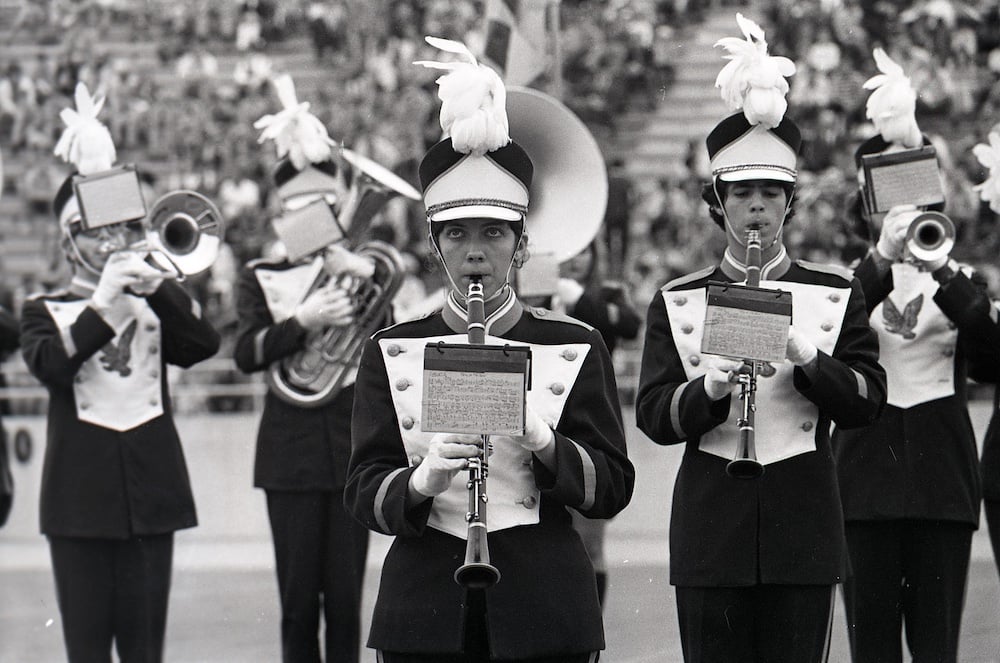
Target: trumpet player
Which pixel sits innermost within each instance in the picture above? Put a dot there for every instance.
(411, 484)
(115, 486)
(755, 561)
(302, 452)
(909, 482)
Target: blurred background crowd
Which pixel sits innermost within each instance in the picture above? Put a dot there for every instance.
(185, 80)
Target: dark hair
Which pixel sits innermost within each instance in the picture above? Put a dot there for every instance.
(715, 203)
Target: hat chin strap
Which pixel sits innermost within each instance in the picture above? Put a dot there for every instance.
(77, 258)
(503, 287)
(742, 240)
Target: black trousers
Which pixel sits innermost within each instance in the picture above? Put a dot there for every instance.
(761, 623)
(113, 591)
(992, 510)
(477, 645)
(319, 552)
(906, 574)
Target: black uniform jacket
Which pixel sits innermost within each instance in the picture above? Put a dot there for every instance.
(785, 527)
(919, 460)
(546, 601)
(98, 481)
(298, 448)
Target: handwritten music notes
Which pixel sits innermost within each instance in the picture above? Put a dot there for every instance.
(747, 323)
(475, 389)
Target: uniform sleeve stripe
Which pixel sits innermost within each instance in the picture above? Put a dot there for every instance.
(383, 490)
(66, 334)
(589, 478)
(675, 411)
(862, 384)
(258, 347)
(994, 314)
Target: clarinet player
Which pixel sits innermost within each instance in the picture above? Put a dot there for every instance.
(412, 484)
(755, 561)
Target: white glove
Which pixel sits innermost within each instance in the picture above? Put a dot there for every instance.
(721, 377)
(569, 292)
(330, 306)
(448, 454)
(124, 270)
(537, 434)
(340, 260)
(893, 233)
(800, 350)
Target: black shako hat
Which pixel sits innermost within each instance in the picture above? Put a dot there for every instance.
(460, 185)
(739, 150)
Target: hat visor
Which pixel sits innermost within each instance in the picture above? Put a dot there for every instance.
(477, 212)
(757, 174)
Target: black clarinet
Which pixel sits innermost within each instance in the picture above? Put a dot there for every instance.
(744, 464)
(477, 572)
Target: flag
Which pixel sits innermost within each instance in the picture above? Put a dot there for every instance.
(516, 39)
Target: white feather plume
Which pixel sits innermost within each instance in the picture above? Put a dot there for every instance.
(989, 157)
(473, 100)
(752, 80)
(893, 102)
(297, 133)
(85, 142)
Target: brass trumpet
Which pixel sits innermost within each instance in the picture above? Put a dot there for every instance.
(930, 237)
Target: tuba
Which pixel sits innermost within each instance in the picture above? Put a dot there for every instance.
(314, 375)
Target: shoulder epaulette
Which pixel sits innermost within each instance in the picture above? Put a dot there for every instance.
(542, 313)
(264, 262)
(826, 268)
(688, 278)
(52, 294)
(406, 322)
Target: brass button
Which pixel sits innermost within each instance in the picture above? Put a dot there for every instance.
(78, 379)
(947, 352)
(154, 349)
(834, 297)
(694, 360)
(84, 406)
(394, 350)
(557, 388)
(154, 374)
(402, 384)
(687, 329)
(150, 327)
(826, 326)
(680, 301)
(952, 325)
(807, 426)
(529, 502)
(407, 422)
(569, 354)
(541, 311)
(416, 459)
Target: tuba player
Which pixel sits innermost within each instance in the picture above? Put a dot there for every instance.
(302, 452)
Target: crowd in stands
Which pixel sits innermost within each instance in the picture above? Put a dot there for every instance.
(185, 80)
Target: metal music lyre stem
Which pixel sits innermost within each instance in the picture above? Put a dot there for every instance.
(744, 464)
(477, 572)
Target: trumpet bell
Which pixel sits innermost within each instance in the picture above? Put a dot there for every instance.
(930, 237)
(185, 232)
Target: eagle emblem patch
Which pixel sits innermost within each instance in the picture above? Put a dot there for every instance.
(902, 323)
(116, 356)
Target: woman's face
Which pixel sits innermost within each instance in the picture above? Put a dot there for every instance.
(760, 203)
(479, 247)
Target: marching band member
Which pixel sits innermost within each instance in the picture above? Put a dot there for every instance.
(607, 308)
(114, 482)
(989, 465)
(302, 452)
(909, 482)
(755, 561)
(411, 484)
